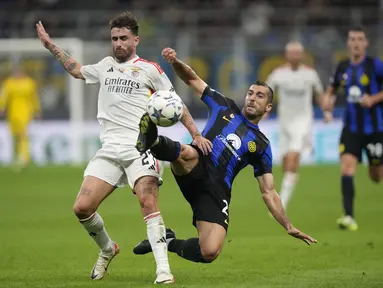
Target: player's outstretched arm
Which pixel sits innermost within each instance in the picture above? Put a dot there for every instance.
(69, 64)
(274, 204)
(184, 71)
(202, 143)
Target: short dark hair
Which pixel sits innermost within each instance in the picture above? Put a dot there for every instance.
(357, 29)
(127, 20)
(270, 95)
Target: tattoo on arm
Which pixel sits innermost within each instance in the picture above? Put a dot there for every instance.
(188, 121)
(65, 60)
(184, 71)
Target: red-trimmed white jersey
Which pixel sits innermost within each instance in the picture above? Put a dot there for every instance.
(295, 90)
(124, 92)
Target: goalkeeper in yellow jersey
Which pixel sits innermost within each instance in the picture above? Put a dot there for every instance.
(19, 99)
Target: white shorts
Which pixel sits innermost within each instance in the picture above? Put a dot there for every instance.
(109, 165)
(294, 140)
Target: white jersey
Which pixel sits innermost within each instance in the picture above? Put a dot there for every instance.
(123, 95)
(295, 91)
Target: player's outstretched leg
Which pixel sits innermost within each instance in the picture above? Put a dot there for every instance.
(93, 191)
(204, 249)
(348, 168)
(161, 147)
(148, 133)
(144, 247)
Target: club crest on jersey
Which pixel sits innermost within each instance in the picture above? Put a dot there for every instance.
(234, 141)
(252, 146)
(364, 80)
(135, 72)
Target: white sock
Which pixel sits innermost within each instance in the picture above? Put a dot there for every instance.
(95, 227)
(288, 184)
(157, 239)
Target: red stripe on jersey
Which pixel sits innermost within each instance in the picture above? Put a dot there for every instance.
(158, 67)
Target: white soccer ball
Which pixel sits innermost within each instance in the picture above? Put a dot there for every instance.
(165, 108)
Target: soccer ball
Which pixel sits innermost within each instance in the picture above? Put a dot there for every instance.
(165, 108)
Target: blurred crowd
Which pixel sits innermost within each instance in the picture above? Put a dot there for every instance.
(256, 17)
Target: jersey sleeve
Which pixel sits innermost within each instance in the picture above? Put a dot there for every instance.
(91, 72)
(272, 80)
(264, 164)
(317, 83)
(334, 79)
(213, 99)
(158, 79)
(378, 67)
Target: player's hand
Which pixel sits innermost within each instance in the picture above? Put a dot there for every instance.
(327, 116)
(43, 35)
(327, 102)
(302, 236)
(170, 55)
(203, 144)
(367, 101)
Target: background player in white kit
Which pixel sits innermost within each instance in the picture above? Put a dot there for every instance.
(295, 83)
(126, 82)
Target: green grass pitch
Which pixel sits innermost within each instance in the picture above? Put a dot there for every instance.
(42, 244)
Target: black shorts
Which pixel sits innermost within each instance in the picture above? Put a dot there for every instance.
(205, 194)
(354, 143)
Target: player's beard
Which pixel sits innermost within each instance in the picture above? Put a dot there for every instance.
(123, 57)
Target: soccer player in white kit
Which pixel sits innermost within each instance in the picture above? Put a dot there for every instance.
(295, 83)
(126, 81)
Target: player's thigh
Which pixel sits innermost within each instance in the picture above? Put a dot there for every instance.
(186, 162)
(211, 238)
(291, 161)
(18, 127)
(350, 149)
(101, 177)
(144, 166)
(374, 149)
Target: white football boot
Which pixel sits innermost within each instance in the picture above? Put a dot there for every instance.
(101, 267)
(164, 278)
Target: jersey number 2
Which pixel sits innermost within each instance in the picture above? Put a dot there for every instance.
(224, 210)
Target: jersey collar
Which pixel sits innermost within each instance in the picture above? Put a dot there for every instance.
(249, 123)
(128, 62)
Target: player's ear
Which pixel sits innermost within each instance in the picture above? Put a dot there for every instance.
(269, 106)
(136, 41)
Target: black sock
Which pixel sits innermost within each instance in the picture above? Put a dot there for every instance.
(348, 193)
(188, 249)
(166, 149)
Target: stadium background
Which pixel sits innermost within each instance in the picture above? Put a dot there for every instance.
(230, 43)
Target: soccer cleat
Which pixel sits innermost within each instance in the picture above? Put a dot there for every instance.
(164, 278)
(144, 247)
(102, 264)
(347, 223)
(148, 134)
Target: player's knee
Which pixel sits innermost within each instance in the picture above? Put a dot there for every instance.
(187, 153)
(147, 193)
(375, 177)
(210, 251)
(82, 209)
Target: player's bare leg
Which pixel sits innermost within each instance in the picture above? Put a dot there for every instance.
(146, 189)
(92, 192)
(376, 172)
(290, 178)
(348, 169)
(211, 238)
